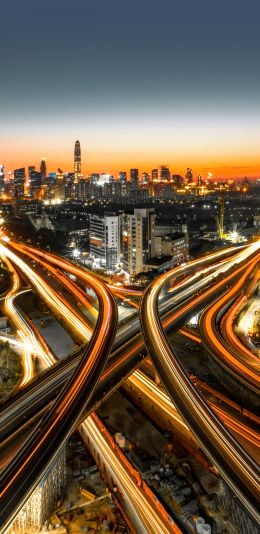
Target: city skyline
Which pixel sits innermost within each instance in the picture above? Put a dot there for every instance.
(147, 90)
(213, 172)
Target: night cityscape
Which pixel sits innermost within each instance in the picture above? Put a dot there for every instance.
(129, 267)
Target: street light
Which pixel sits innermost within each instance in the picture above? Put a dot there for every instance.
(76, 253)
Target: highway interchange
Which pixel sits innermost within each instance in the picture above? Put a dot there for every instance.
(69, 391)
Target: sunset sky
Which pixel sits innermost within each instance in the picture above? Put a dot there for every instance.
(140, 83)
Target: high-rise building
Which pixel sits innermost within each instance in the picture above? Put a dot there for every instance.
(189, 176)
(41, 503)
(2, 179)
(19, 182)
(178, 181)
(122, 177)
(105, 239)
(145, 178)
(134, 178)
(155, 175)
(77, 161)
(59, 188)
(165, 173)
(43, 169)
(35, 181)
(199, 180)
(83, 188)
(138, 244)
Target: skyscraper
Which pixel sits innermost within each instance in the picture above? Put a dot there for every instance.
(35, 180)
(19, 182)
(77, 161)
(155, 175)
(122, 177)
(199, 180)
(189, 176)
(164, 173)
(2, 179)
(43, 169)
(134, 178)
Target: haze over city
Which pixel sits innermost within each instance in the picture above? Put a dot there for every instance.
(140, 84)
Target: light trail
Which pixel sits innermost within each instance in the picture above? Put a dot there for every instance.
(23, 329)
(68, 408)
(162, 401)
(136, 495)
(242, 366)
(23, 473)
(57, 303)
(236, 466)
(147, 517)
(247, 319)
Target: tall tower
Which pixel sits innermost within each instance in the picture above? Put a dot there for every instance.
(77, 162)
(43, 169)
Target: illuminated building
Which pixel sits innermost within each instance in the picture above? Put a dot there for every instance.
(42, 502)
(71, 190)
(2, 179)
(174, 245)
(162, 190)
(77, 161)
(138, 244)
(105, 240)
(199, 180)
(245, 185)
(178, 181)
(189, 176)
(59, 188)
(19, 182)
(165, 173)
(35, 181)
(122, 177)
(112, 189)
(43, 170)
(134, 178)
(145, 178)
(83, 188)
(155, 175)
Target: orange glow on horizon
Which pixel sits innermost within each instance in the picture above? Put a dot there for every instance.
(224, 171)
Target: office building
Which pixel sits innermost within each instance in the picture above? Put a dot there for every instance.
(138, 244)
(2, 179)
(178, 181)
(134, 178)
(199, 181)
(35, 181)
(145, 178)
(59, 187)
(122, 178)
(189, 176)
(19, 182)
(83, 188)
(165, 173)
(105, 240)
(77, 161)
(155, 175)
(43, 170)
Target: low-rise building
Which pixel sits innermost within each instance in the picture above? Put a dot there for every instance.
(174, 245)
